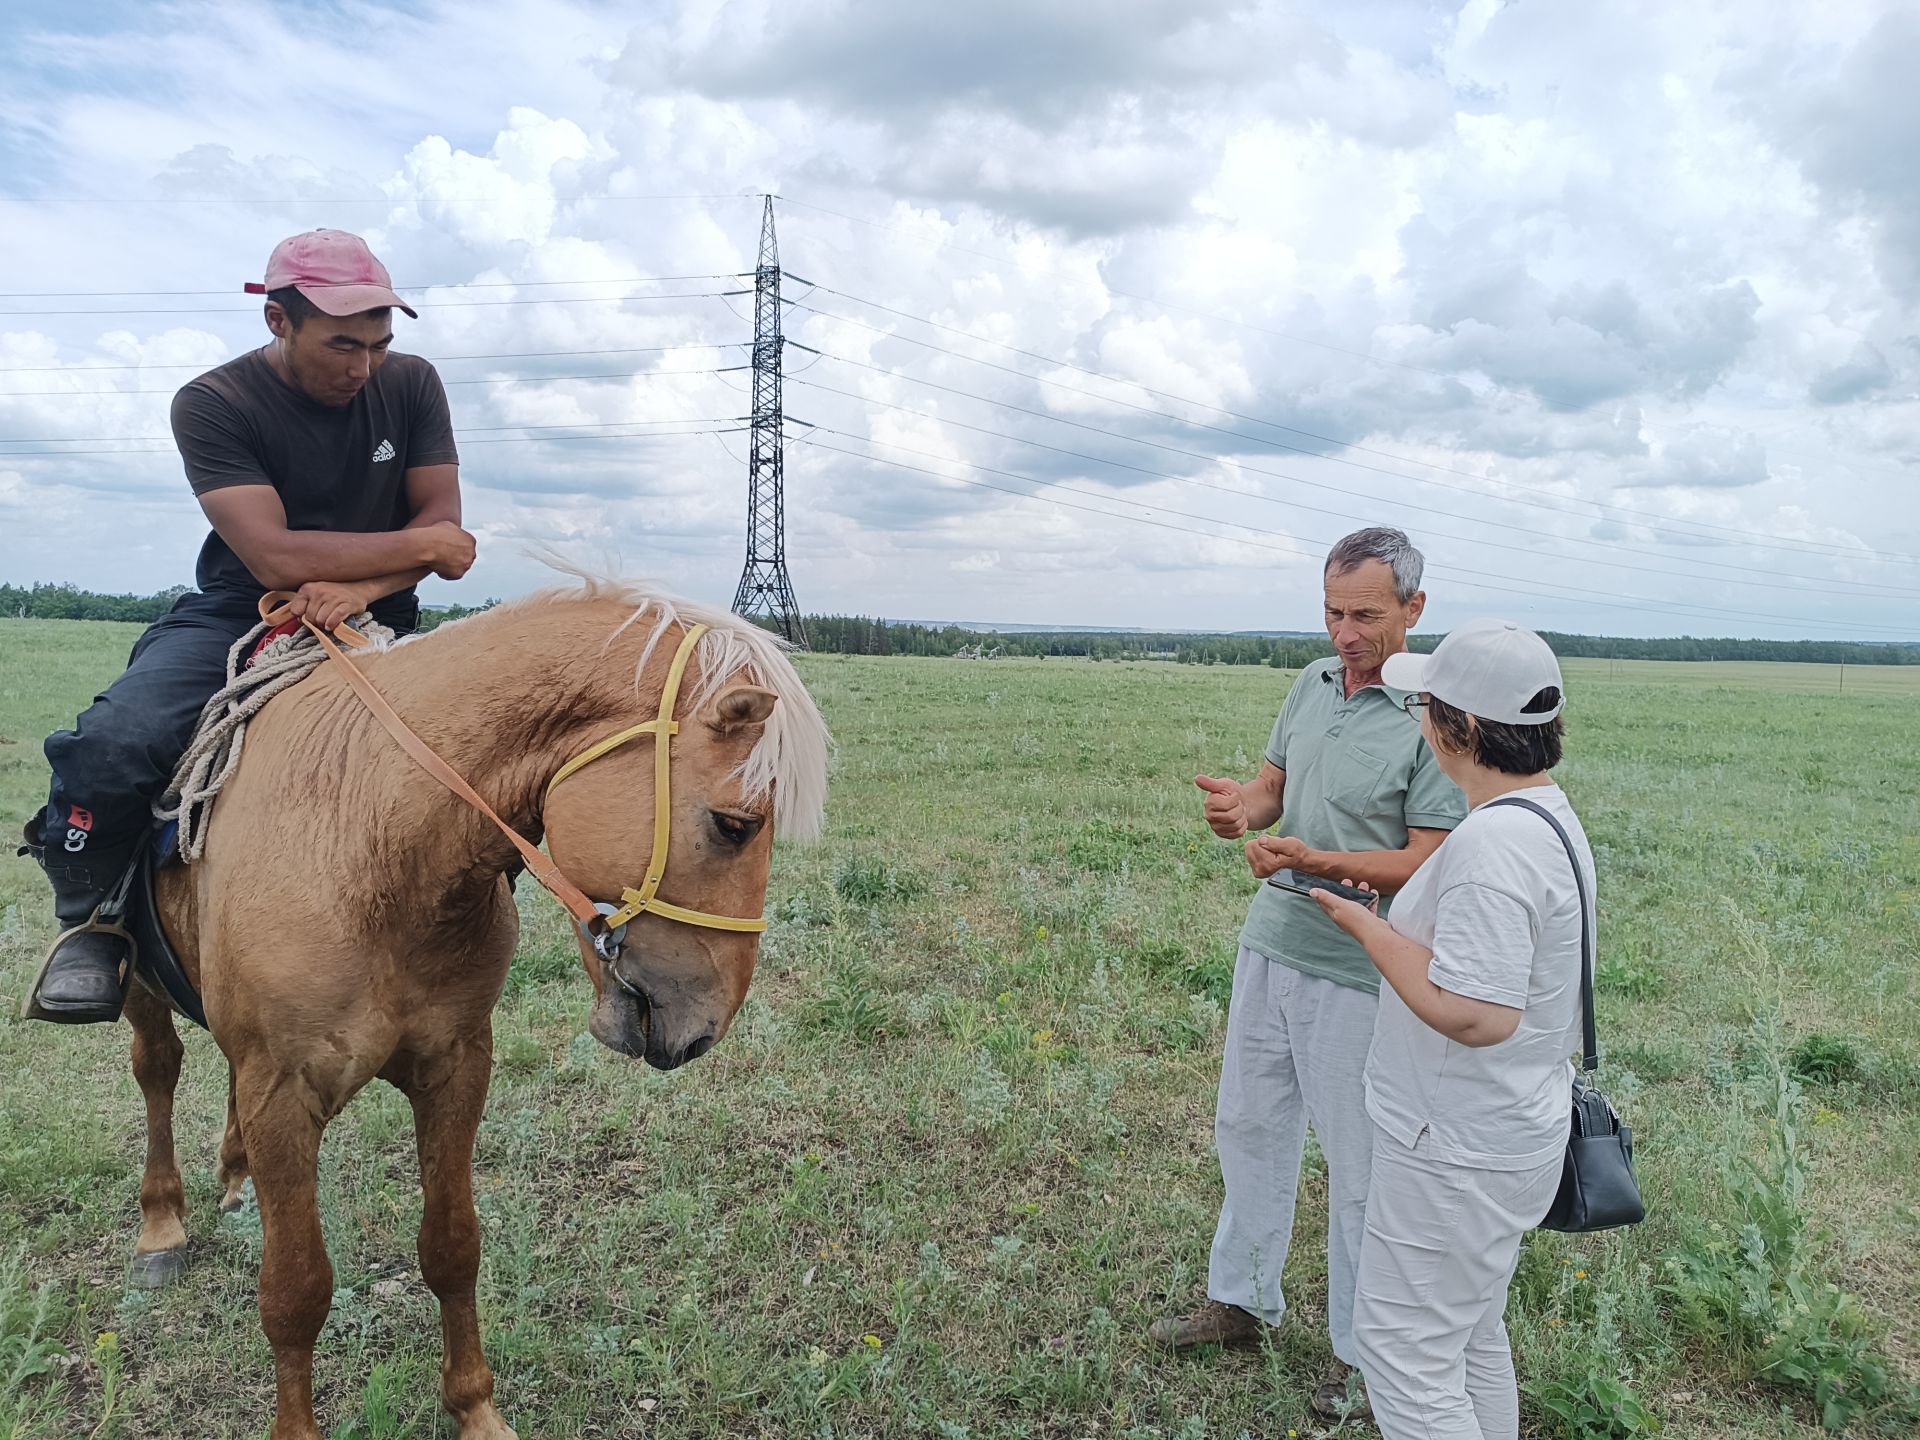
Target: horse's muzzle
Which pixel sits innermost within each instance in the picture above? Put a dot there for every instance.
(629, 1021)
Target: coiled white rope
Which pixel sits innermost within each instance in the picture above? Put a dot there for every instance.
(215, 752)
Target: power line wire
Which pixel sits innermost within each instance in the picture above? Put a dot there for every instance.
(166, 447)
(1771, 582)
(496, 440)
(100, 439)
(1769, 576)
(1144, 299)
(1657, 523)
(1535, 594)
(477, 380)
(436, 359)
(432, 285)
(312, 201)
(418, 305)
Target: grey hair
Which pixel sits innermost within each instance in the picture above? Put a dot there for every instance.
(1386, 544)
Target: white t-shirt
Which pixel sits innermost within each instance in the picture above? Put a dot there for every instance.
(1496, 904)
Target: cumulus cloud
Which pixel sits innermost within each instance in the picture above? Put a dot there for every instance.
(1863, 373)
(1597, 287)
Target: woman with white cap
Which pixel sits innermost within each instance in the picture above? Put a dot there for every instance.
(1469, 1073)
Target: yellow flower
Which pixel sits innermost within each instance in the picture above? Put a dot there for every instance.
(872, 1342)
(1041, 933)
(106, 1340)
(1042, 1038)
(1579, 1274)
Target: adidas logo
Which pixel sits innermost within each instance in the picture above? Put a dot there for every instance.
(384, 452)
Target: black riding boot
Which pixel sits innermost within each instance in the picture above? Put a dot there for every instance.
(84, 980)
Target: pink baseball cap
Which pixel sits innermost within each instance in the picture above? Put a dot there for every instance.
(333, 269)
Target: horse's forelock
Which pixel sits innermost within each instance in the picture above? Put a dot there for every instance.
(790, 759)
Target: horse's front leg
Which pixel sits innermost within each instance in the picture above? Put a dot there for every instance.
(160, 1254)
(283, 1120)
(448, 1093)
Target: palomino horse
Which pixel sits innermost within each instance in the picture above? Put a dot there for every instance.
(352, 918)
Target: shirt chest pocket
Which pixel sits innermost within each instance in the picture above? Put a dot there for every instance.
(1358, 787)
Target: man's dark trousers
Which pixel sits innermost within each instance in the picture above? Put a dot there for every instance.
(121, 753)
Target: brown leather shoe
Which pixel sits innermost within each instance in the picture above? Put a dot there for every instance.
(1214, 1323)
(1342, 1396)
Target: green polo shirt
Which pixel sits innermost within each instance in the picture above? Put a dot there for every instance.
(1358, 776)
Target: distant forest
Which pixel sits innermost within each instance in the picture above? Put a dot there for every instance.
(861, 635)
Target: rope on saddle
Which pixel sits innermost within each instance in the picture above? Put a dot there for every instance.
(267, 659)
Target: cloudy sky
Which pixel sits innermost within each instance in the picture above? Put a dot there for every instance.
(1116, 313)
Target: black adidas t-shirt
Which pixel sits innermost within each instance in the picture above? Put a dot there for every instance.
(338, 468)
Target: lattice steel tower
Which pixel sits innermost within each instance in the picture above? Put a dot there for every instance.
(765, 588)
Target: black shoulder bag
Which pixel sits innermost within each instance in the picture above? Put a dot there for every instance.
(1597, 1187)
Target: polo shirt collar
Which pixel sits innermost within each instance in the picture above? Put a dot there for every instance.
(1393, 693)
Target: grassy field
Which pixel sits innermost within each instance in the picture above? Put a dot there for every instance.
(957, 1152)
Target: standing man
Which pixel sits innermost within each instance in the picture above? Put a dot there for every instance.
(326, 465)
(1358, 795)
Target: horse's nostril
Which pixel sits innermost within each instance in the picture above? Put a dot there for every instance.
(697, 1049)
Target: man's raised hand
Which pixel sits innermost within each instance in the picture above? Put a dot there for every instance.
(1268, 854)
(450, 550)
(1226, 807)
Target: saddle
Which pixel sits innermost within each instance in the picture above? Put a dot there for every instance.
(154, 962)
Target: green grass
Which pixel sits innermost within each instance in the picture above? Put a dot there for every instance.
(956, 1152)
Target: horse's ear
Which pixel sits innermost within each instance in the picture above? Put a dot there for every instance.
(738, 708)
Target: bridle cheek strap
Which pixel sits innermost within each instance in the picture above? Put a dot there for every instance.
(646, 899)
(600, 923)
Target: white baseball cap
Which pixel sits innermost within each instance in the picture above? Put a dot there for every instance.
(1488, 668)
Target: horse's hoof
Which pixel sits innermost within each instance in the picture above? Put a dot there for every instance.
(157, 1269)
(236, 1197)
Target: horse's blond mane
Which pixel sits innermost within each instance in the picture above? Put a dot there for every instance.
(791, 759)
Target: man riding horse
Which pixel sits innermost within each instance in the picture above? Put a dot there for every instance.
(326, 465)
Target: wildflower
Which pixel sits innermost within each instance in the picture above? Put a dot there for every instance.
(872, 1342)
(1042, 1039)
(1041, 933)
(1554, 1322)
(1579, 1274)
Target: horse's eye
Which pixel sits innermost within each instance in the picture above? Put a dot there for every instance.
(736, 829)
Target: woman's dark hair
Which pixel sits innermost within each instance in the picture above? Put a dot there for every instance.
(1510, 749)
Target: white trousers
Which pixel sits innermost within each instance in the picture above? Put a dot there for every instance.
(1441, 1244)
(1296, 1049)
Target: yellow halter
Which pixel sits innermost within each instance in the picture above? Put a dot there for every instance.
(662, 728)
(603, 924)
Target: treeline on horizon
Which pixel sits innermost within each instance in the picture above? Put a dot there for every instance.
(864, 635)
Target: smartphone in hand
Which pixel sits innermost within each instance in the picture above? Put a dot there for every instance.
(1306, 884)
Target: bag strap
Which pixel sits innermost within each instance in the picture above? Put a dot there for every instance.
(1589, 1036)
